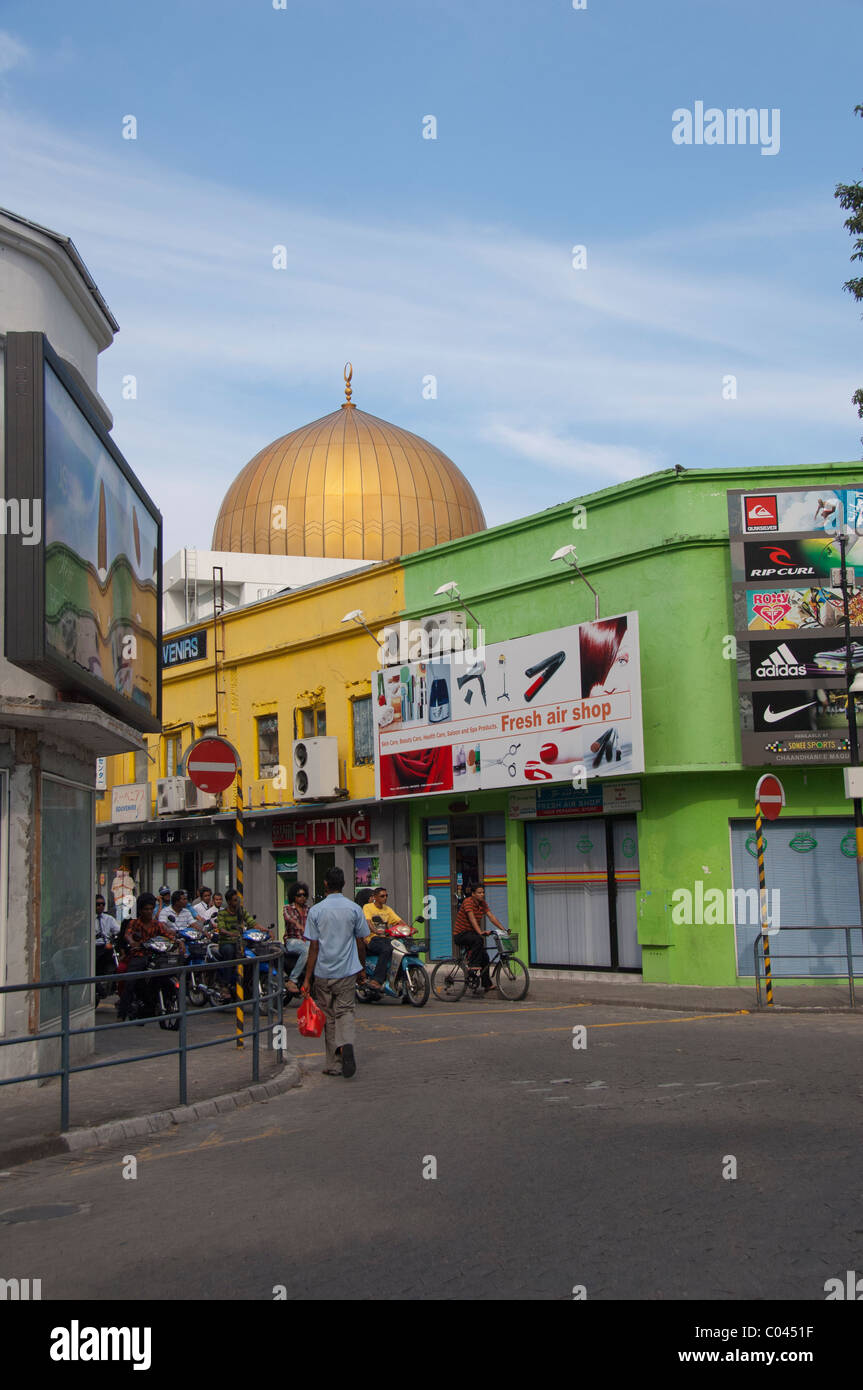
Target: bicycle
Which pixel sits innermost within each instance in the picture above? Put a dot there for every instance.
(455, 974)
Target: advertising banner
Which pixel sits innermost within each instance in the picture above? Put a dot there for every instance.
(789, 620)
(549, 707)
(131, 802)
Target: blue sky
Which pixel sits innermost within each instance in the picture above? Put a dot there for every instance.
(450, 257)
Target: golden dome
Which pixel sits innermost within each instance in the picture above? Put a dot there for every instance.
(347, 485)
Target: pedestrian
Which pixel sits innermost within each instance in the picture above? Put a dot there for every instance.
(295, 912)
(164, 899)
(336, 929)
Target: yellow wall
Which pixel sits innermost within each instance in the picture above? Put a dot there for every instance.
(279, 654)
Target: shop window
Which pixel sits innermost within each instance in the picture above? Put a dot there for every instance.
(268, 745)
(361, 711)
(66, 891)
(367, 868)
(464, 828)
(310, 721)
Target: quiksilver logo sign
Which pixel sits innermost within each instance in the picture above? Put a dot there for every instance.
(77, 1343)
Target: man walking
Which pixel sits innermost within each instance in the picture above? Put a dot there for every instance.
(336, 929)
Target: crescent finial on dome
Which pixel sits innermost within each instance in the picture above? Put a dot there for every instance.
(349, 371)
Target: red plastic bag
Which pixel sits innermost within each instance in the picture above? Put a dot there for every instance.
(310, 1019)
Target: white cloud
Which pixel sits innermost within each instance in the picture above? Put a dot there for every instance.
(230, 353)
(611, 463)
(11, 52)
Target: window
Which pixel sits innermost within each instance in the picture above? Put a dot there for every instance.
(172, 754)
(67, 894)
(363, 735)
(268, 745)
(311, 721)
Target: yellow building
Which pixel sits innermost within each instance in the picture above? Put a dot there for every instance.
(289, 668)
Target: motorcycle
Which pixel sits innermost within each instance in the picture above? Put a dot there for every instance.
(257, 942)
(107, 961)
(407, 979)
(201, 985)
(161, 995)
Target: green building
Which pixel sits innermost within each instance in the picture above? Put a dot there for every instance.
(606, 887)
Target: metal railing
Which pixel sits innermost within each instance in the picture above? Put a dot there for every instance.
(848, 957)
(271, 1000)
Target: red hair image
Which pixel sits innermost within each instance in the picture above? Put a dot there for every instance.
(598, 645)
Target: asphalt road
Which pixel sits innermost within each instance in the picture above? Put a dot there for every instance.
(556, 1167)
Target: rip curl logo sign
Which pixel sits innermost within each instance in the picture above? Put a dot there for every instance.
(771, 607)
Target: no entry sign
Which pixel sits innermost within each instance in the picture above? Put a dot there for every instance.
(770, 792)
(212, 764)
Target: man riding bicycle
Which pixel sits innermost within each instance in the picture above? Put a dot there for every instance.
(468, 932)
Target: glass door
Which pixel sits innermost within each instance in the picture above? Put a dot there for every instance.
(324, 861)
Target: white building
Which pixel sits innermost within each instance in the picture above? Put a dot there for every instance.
(188, 580)
(49, 737)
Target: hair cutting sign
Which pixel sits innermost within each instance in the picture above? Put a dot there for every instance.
(530, 710)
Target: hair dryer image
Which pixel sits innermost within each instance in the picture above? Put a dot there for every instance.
(476, 673)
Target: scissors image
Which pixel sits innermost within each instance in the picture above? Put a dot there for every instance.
(507, 761)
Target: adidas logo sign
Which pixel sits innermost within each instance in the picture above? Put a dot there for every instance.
(782, 662)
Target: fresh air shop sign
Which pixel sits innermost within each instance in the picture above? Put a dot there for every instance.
(562, 706)
(321, 832)
(192, 647)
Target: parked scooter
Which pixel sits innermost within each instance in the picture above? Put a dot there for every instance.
(161, 995)
(201, 985)
(406, 977)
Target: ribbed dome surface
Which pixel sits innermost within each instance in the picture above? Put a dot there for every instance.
(347, 485)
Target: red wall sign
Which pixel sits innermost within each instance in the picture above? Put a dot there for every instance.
(328, 830)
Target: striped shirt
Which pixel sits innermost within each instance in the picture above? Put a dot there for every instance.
(463, 922)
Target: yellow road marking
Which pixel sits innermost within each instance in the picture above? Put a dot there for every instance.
(630, 1023)
(213, 1141)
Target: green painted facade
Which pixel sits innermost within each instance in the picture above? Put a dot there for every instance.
(658, 545)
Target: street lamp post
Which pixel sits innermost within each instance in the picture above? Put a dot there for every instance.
(852, 719)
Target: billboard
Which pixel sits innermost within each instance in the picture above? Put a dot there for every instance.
(789, 621)
(555, 706)
(83, 605)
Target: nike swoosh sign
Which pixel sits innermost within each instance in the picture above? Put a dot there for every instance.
(771, 716)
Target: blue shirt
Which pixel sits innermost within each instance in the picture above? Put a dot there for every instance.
(336, 923)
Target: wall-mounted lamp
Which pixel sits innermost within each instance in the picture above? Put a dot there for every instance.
(568, 556)
(452, 591)
(357, 616)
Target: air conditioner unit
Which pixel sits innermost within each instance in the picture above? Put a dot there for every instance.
(170, 795)
(446, 632)
(262, 792)
(196, 800)
(427, 638)
(315, 768)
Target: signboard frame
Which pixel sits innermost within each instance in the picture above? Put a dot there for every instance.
(26, 641)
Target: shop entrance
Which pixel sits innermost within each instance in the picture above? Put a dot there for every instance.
(583, 879)
(461, 851)
(324, 861)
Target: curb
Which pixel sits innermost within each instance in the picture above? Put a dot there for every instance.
(141, 1126)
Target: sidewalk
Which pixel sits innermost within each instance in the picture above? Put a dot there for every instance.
(30, 1114)
(628, 991)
